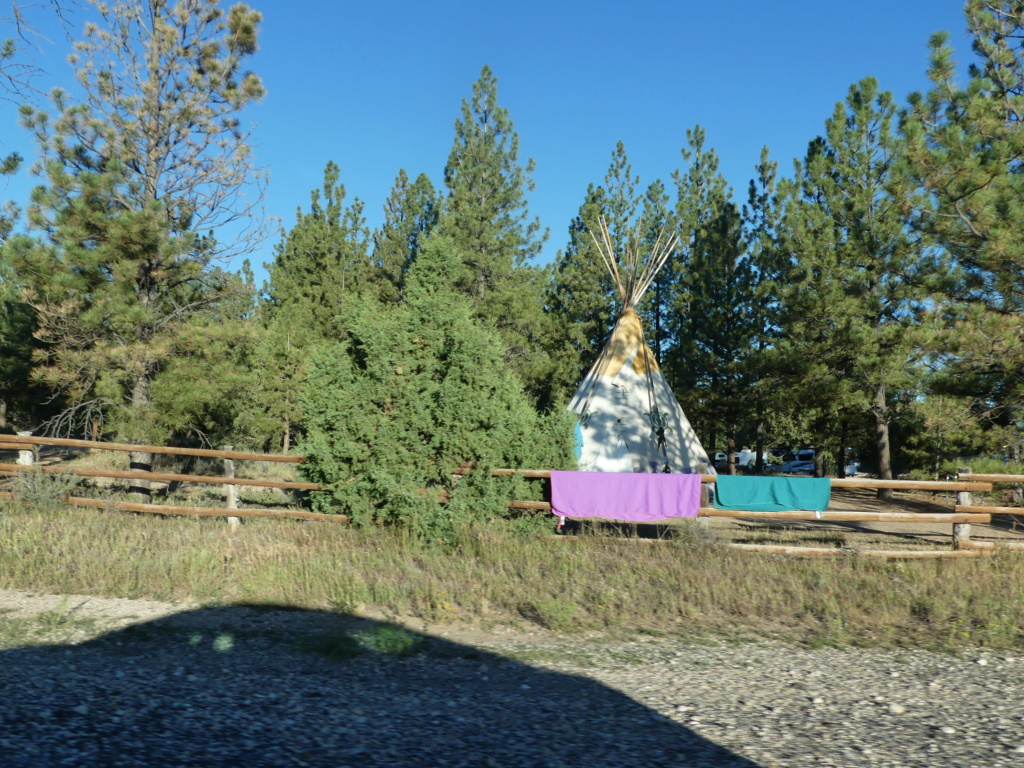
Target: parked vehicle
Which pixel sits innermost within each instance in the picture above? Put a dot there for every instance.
(744, 459)
(799, 462)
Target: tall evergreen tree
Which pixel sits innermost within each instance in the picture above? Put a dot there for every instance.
(321, 274)
(580, 301)
(18, 394)
(770, 264)
(410, 214)
(152, 155)
(485, 215)
(865, 274)
(583, 302)
(322, 264)
(656, 308)
(621, 199)
(966, 145)
(713, 326)
(815, 372)
(280, 357)
(205, 391)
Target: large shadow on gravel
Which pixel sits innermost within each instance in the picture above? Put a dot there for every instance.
(238, 686)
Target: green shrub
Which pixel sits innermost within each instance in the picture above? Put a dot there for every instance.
(417, 389)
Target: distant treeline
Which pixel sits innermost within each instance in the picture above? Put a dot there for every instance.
(873, 299)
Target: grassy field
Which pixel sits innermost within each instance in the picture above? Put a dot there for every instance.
(687, 586)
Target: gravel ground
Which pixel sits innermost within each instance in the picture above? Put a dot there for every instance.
(137, 683)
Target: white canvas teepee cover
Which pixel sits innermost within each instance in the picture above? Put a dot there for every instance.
(630, 419)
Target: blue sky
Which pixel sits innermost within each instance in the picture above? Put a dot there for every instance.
(377, 86)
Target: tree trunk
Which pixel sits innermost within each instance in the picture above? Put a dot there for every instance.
(759, 440)
(881, 412)
(820, 470)
(3, 413)
(730, 450)
(141, 461)
(287, 442)
(841, 472)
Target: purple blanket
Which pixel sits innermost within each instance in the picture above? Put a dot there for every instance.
(624, 495)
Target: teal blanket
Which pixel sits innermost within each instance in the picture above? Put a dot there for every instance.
(763, 494)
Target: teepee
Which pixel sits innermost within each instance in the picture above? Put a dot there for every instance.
(629, 418)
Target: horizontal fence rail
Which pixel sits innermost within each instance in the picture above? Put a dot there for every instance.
(974, 509)
(168, 477)
(167, 509)
(20, 441)
(973, 515)
(997, 478)
(840, 516)
(911, 485)
(903, 485)
(899, 554)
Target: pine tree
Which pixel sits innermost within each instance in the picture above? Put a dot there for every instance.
(321, 274)
(205, 391)
(966, 145)
(720, 284)
(152, 155)
(410, 214)
(579, 300)
(485, 215)
(713, 328)
(656, 308)
(582, 303)
(620, 199)
(18, 395)
(865, 274)
(770, 263)
(813, 371)
(280, 356)
(322, 264)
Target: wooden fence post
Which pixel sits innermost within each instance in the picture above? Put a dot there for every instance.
(231, 490)
(140, 461)
(26, 458)
(705, 501)
(962, 531)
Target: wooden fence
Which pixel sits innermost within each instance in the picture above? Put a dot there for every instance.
(960, 517)
(964, 505)
(26, 443)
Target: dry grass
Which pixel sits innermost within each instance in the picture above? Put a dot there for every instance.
(686, 585)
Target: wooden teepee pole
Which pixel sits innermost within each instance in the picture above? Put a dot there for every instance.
(639, 273)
